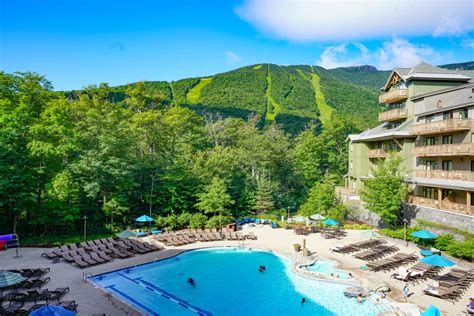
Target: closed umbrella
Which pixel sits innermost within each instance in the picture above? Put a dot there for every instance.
(127, 234)
(331, 222)
(438, 261)
(371, 233)
(52, 310)
(317, 217)
(431, 311)
(8, 278)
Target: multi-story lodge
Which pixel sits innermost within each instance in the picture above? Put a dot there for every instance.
(428, 120)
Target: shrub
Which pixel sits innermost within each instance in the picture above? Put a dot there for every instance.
(443, 241)
(464, 250)
(357, 226)
(184, 219)
(198, 221)
(217, 221)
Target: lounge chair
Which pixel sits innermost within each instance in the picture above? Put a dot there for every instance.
(66, 256)
(50, 254)
(58, 293)
(251, 236)
(119, 253)
(97, 258)
(80, 262)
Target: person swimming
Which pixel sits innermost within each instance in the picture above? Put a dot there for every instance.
(303, 300)
(262, 269)
(191, 282)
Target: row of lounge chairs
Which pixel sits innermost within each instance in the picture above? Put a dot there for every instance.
(357, 246)
(94, 252)
(420, 271)
(376, 252)
(325, 231)
(452, 285)
(21, 298)
(398, 260)
(188, 236)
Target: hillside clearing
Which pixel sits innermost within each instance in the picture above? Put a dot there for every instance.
(273, 108)
(324, 108)
(193, 95)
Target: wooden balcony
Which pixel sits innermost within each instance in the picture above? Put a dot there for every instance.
(450, 150)
(393, 115)
(446, 205)
(441, 127)
(393, 96)
(459, 175)
(377, 153)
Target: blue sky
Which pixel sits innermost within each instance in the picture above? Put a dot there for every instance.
(77, 43)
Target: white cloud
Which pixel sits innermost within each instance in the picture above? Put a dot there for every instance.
(317, 20)
(468, 43)
(232, 57)
(397, 52)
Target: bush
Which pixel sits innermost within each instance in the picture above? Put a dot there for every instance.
(214, 221)
(357, 226)
(184, 219)
(464, 250)
(198, 221)
(443, 241)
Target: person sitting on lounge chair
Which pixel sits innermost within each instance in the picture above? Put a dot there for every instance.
(470, 306)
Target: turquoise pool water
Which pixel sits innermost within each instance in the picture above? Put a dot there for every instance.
(228, 283)
(328, 268)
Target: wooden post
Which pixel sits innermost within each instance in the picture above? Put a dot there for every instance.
(440, 197)
(468, 202)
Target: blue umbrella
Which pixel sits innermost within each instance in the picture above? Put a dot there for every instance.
(144, 219)
(330, 222)
(431, 311)
(438, 261)
(8, 278)
(52, 310)
(424, 234)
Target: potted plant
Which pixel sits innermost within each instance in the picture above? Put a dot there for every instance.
(297, 247)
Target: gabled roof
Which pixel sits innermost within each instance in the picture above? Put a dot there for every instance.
(426, 71)
(381, 132)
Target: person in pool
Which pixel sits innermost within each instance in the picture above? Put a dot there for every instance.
(303, 300)
(191, 282)
(360, 298)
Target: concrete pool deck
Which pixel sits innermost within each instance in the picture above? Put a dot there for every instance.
(92, 300)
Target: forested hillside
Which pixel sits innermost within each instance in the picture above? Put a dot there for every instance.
(112, 154)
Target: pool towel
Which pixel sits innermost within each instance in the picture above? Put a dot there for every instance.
(3, 245)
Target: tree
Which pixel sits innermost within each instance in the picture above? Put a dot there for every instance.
(114, 207)
(263, 199)
(322, 197)
(386, 190)
(215, 198)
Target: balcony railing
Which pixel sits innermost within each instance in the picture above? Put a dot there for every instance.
(393, 96)
(445, 205)
(458, 175)
(445, 150)
(393, 115)
(440, 127)
(377, 153)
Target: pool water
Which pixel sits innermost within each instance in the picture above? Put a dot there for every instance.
(228, 282)
(328, 268)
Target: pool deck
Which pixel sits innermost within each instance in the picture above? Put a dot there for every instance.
(93, 300)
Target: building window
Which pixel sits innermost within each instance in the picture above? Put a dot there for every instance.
(447, 139)
(431, 165)
(429, 118)
(430, 193)
(447, 115)
(430, 141)
(445, 193)
(463, 113)
(447, 165)
(472, 165)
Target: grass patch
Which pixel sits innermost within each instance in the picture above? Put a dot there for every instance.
(323, 107)
(50, 241)
(256, 67)
(195, 92)
(273, 108)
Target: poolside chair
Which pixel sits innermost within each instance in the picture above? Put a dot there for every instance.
(111, 240)
(233, 236)
(64, 248)
(66, 256)
(104, 249)
(97, 258)
(80, 263)
(239, 236)
(451, 293)
(73, 246)
(104, 256)
(50, 254)
(119, 253)
(85, 245)
(58, 293)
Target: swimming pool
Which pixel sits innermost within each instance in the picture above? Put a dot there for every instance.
(228, 283)
(328, 268)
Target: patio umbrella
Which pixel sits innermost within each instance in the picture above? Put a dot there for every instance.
(52, 310)
(8, 278)
(438, 261)
(330, 222)
(424, 234)
(317, 217)
(371, 233)
(144, 219)
(126, 234)
(431, 311)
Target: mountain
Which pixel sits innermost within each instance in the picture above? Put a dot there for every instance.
(289, 95)
(460, 66)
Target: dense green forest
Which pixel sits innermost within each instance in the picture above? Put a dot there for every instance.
(116, 153)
